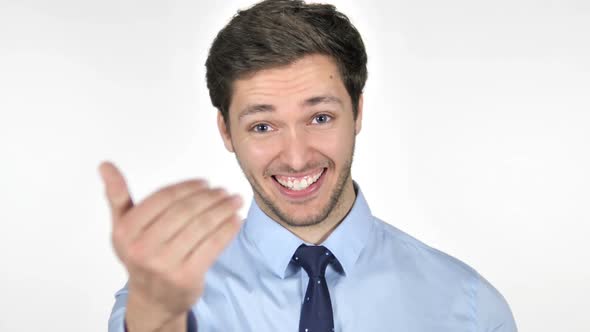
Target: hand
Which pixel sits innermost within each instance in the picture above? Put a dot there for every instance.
(167, 243)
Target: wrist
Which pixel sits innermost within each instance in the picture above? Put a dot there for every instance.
(180, 324)
(145, 316)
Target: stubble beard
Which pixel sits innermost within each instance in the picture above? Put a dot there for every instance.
(333, 203)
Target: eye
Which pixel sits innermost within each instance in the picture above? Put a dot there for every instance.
(322, 118)
(260, 128)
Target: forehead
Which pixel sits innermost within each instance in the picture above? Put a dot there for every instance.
(308, 76)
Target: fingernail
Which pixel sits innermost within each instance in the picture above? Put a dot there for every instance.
(238, 220)
(237, 198)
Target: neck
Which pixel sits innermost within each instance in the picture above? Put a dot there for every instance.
(318, 233)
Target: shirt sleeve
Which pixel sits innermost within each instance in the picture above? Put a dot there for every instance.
(117, 318)
(493, 311)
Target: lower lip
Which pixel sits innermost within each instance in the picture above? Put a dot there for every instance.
(302, 194)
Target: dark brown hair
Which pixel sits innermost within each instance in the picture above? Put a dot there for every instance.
(276, 33)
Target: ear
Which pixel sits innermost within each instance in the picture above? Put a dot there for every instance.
(359, 118)
(223, 131)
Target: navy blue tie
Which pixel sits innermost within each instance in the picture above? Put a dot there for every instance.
(316, 310)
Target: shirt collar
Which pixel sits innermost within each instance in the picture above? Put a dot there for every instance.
(277, 244)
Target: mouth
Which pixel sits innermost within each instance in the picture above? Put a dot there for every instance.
(300, 187)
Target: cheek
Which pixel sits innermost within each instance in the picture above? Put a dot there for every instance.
(257, 154)
(335, 144)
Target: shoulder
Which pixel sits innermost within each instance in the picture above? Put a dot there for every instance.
(493, 311)
(404, 247)
(444, 277)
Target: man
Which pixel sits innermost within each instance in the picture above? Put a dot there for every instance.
(287, 79)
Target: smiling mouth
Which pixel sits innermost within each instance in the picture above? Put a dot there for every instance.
(299, 183)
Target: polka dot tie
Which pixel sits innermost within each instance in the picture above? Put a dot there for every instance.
(316, 310)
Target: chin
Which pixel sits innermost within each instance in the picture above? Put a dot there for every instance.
(298, 219)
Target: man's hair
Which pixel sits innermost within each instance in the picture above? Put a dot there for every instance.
(275, 33)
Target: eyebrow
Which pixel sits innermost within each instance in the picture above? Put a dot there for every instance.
(316, 100)
(322, 100)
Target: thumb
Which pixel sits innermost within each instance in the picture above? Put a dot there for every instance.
(115, 189)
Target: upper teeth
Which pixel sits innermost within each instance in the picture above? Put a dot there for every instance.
(299, 183)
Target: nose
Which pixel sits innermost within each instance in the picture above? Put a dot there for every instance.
(296, 149)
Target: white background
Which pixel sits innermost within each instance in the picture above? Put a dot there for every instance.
(475, 140)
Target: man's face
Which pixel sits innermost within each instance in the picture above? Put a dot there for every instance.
(293, 132)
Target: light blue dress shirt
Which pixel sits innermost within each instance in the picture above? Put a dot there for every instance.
(389, 282)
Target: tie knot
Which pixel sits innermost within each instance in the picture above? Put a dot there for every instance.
(313, 259)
